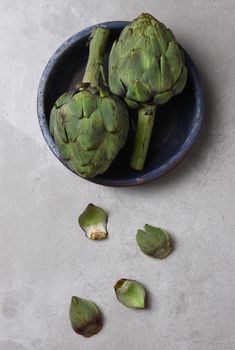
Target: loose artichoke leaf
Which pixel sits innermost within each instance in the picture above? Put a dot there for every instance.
(84, 317)
(93, 221)
(165, 74)
(130, 293)
(154, 241)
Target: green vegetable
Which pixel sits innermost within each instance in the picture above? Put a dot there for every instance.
(89, 125)
(84, 317)
(93, 222)
(130, 293)
(154, 241)
(146, 68)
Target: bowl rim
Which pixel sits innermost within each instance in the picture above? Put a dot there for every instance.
(172, 162)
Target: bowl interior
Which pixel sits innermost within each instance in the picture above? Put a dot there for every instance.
(173, 124)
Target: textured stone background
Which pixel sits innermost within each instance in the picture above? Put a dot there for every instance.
(45, 258)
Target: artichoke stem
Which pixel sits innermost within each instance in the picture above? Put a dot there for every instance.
(98, 41)
(146, 117)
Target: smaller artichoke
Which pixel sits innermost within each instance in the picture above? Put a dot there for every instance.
(84, 317)
(93, 221)
(154, 241)
(130, 293)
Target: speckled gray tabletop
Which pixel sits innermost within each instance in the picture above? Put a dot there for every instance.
(45, 258)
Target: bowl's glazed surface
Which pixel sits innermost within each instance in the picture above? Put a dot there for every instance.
(177, 123)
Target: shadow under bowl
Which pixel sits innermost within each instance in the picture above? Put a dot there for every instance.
(177, 123)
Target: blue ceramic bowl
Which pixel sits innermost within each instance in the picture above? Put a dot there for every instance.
(177, 123)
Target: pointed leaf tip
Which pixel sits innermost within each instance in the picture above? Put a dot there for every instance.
(84, 317)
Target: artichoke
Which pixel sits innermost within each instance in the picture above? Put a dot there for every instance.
(146, 68)
(89, 125)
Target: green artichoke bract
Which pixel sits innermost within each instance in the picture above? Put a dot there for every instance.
(154, 241)
(146, 68)
(84, 317)
(93, 222)
(89, 125)
(130, 293)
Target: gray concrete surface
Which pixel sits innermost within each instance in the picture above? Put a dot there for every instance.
(45, 258)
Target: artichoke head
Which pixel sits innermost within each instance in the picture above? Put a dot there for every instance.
(146, 65)
(89, 128)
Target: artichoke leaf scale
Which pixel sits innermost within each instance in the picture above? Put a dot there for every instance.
(174, 57)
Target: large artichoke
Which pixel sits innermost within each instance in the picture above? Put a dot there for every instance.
(89, 125)
(146, 68)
